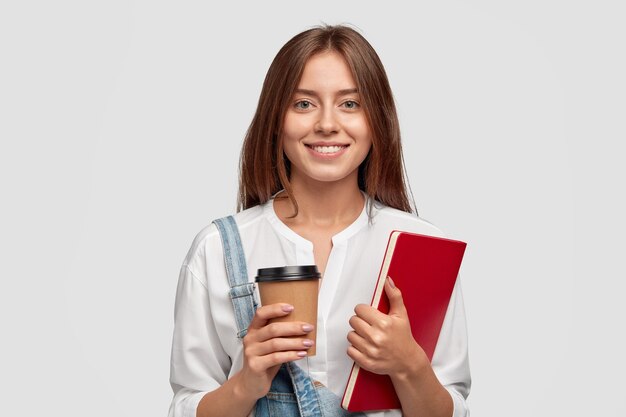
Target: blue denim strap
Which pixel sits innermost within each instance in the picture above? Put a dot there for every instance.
(290, 377)
(306, 394)
(241, 291)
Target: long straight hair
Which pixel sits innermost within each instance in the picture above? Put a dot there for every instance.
(264, 169)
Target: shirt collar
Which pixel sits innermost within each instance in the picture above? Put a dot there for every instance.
(352, 229)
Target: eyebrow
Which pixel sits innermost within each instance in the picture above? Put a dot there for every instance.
(340, 92)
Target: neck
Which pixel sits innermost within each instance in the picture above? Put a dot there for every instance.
(322, 204)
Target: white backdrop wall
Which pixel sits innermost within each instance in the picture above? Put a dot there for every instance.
(120, 128)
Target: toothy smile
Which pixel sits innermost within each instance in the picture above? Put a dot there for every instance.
(328, 149)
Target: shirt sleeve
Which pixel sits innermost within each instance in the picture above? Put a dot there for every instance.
(199, 363)
(450, 360)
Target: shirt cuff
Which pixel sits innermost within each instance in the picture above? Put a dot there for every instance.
(460, 407)
(191, 404)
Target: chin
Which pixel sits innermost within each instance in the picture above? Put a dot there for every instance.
(330, 177)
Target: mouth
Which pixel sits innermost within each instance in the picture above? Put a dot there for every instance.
(327, 149)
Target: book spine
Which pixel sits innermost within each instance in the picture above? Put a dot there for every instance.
(384, 268)
(380, 285)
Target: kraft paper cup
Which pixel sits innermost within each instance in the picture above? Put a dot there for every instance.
(295, 285)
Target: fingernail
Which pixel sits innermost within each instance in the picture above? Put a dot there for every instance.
(393, 285)
(307, 328)
(307, 342)
(301, 353)
(287, 308)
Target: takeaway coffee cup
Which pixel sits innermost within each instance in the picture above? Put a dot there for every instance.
(295, 285)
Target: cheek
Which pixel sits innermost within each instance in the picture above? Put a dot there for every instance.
(295, 127)
(358, 129)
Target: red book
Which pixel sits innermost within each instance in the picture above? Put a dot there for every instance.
(424, 268)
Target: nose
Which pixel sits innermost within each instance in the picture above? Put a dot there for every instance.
(327, 122)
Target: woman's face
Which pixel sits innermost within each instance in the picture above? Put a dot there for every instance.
(325, 131)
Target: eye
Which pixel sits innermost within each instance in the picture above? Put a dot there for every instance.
(351, 104)
(303, 105)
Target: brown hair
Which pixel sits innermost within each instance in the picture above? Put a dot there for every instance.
(264, 169)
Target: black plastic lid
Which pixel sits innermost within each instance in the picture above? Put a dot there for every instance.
(288, 273)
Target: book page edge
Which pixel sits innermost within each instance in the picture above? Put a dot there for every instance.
(380, 285)
(382, 276)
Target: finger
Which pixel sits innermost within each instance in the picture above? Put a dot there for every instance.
(369, 314)
(261, 363)
(283, 329)
(360, 326)
(396, 303)
(265, 313)
(359, 342)
(281, 344)
(360, 359)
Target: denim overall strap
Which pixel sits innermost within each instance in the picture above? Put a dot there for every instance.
(307, 395)
(291, 381)
(241, 291)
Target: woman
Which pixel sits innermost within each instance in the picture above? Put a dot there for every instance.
(322, 183)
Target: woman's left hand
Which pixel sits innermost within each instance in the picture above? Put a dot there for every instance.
(383, 343)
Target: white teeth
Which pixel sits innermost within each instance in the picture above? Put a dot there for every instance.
(327, 149)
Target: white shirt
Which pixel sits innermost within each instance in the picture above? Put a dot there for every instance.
(206, 350)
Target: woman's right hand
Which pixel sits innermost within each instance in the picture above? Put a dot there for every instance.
(267, 346)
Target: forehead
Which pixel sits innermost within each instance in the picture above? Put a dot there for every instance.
(326, 70)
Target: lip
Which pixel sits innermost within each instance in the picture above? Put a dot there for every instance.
(326, 156)
(327, 144)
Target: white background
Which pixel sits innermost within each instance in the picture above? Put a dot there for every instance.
(121, 124)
